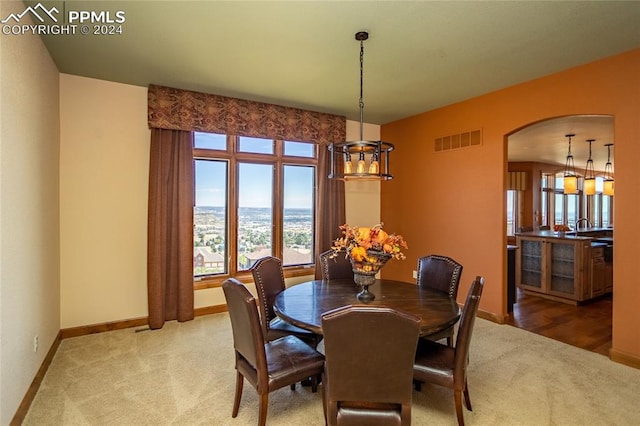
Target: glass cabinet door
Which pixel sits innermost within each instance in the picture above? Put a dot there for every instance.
(562, 274)
(531, 263)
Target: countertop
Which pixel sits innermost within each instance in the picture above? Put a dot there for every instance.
(582, 234)
(553, 234)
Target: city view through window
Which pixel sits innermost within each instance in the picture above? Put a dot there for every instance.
(210, 237)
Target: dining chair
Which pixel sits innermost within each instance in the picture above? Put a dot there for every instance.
(335, 268)
(446, 366)
(369, 356)
(269, 280)
(267, 366)
(440, 273)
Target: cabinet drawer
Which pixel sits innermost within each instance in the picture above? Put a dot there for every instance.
(597, 252)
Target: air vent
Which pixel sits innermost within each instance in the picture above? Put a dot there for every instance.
(457, 141)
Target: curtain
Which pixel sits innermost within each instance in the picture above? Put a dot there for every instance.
(170, 227)
(330, 206)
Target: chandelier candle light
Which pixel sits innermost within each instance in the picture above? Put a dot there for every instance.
(368, 250)
(377, 152)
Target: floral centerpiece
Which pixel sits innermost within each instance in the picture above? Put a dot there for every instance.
(368, 249)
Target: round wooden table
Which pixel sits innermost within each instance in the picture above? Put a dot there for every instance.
(303, 304)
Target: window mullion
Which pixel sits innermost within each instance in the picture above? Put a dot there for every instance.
(232, 226)
(278, 209)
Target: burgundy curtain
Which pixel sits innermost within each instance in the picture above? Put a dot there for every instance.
(330, 207)
(170, 227)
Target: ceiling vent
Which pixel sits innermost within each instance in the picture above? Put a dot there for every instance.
(459, 140)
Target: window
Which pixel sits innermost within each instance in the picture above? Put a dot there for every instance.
(255, 197)
(512, 211)
(559, 208)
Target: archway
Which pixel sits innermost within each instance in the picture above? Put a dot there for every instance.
(541, 148)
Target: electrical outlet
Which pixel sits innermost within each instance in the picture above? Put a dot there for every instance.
(35, 343)
(415, 274)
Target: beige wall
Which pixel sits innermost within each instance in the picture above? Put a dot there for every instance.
(29, 220)
(104, 168)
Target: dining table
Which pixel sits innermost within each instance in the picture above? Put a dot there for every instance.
(304, 304)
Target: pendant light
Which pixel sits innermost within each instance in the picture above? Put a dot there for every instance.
(608, 173)
(377, 152)
(570, 177)
(589, 174)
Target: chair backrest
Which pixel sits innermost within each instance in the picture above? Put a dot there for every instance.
(465, 329)
(369, 354)
(248, 341)
(335, 268)
(439, 273)
(269, 279)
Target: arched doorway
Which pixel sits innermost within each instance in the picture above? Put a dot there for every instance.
(539, 150)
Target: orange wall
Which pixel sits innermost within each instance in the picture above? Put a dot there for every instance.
(453, 202)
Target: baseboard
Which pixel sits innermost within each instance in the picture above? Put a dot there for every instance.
(624, 358)
(23, 409)
(490, 316)
(208, 310)
(100, 328)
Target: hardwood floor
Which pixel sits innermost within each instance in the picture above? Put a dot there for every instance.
(587, 326)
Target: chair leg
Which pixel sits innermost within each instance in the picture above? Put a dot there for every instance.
(458, 397)
(417, 385)
(314, 384)
(450, 339)
(467, 400)
(324, 398)
(262, 414)
(236, 401)
(293, 386)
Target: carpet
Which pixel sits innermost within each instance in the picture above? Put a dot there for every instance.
(183, 374)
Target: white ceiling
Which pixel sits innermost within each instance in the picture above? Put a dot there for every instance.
(421, 55)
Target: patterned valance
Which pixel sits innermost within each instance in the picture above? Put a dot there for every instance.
(178, 109)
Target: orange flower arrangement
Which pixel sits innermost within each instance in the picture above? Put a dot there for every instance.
(561, 228)
(365, 244)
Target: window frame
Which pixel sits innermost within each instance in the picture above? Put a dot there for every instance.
(278, 160)
(585, 205)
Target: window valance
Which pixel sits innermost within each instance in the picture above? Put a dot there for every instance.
(178, 109)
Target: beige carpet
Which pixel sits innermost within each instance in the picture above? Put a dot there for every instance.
(183, 375)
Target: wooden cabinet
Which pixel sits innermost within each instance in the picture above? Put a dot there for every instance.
(554, 267)
(598, 272)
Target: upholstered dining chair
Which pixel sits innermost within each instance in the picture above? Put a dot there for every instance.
(267, 366)
(335, 268)
(269, 280)
(369, 356)
(440, 273)
(446, 366)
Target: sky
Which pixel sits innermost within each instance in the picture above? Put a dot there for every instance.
(255, 182)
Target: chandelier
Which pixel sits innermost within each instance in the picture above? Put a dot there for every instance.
(570, 177)
(608, 173)
(589, 174)
(372, 156)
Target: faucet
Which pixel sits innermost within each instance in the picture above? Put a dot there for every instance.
(579, 221)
